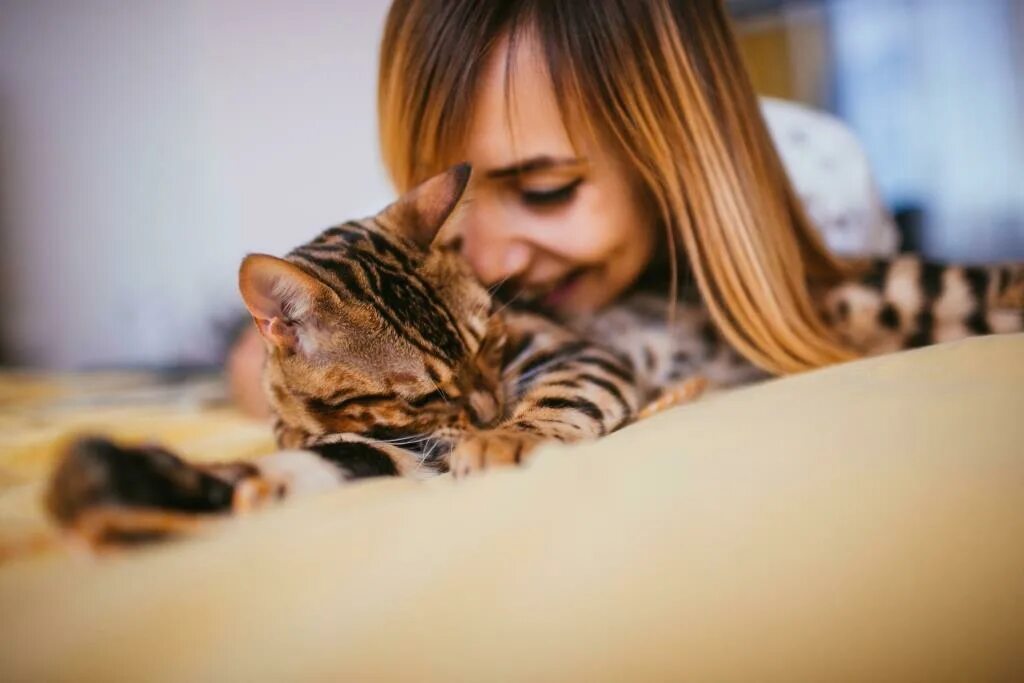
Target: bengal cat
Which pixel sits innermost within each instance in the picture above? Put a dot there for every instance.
(386, 357)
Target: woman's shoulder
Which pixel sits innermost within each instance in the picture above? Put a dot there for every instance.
(832, 175)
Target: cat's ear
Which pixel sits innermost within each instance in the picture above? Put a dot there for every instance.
(419, 214)
(282, 298)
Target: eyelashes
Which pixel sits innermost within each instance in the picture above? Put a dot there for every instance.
(558, 195)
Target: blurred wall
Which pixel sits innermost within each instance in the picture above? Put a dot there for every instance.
(935, 91)
(786, 51)
(146, 146)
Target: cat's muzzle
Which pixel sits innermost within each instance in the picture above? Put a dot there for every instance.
(483, 409)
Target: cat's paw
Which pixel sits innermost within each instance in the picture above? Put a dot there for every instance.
(483, 450)
(254, 493)
(284, 474)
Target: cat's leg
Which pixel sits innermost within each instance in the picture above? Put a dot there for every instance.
(512, 442)
(573, 391)
(102, 492)
(569, 389)
(327, 465)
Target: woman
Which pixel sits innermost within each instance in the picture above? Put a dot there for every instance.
(613, 142)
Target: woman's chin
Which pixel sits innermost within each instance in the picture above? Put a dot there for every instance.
(581, 301)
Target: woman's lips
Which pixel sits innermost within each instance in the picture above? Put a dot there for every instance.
(563, 290)
(549, 295)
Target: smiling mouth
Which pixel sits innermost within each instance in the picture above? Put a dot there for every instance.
(549, 296)
(556, 296)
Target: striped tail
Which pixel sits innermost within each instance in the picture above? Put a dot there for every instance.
(909, 302)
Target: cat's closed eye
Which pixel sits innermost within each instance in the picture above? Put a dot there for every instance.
(436, 396)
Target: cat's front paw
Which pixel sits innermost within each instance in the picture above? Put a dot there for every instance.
(496, 448)
(283, 474)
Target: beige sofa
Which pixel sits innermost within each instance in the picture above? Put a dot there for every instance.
(864, 522)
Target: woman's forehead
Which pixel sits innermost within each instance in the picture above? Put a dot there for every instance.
(516, 117)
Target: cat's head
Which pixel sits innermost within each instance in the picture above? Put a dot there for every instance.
(377, 328)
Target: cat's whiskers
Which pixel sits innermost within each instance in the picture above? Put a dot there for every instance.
(494, 288)
(426, 454)
(508, 303)
(404, 440)
(444, 396)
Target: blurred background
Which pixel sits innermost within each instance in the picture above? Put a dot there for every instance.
(934, 89)
(146, 146)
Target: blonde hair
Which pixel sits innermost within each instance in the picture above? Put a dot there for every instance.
(662, 80)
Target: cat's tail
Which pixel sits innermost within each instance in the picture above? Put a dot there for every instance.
(101, 491)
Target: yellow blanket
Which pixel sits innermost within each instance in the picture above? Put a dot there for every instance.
(40, 413)
(864, 522)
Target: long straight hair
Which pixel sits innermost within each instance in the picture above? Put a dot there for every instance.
(663, 82)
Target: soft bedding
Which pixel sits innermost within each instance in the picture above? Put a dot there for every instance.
(863, 522)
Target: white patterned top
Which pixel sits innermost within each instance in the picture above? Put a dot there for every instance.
(831, 173)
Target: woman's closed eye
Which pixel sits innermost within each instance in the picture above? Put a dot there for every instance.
(550, 197)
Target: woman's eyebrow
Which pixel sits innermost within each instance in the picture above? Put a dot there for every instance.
(538, 163)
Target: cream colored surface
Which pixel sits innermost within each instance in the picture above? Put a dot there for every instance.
(40, 412)
(860, 523)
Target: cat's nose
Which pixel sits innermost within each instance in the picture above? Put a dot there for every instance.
(483, 409)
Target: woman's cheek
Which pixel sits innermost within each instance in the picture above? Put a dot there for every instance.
(580, 233)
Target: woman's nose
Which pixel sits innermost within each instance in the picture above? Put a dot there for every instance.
(494, 252)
